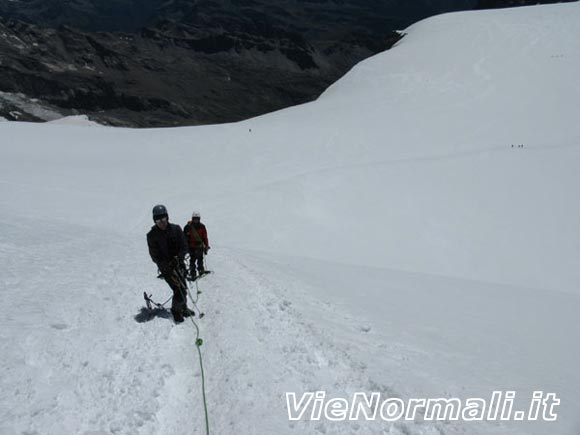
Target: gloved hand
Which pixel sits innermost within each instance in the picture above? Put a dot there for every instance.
(207, 248)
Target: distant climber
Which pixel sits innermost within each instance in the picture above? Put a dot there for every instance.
(167, 248)
(198, 244)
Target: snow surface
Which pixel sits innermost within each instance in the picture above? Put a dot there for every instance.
(392, 236)
(78, 120)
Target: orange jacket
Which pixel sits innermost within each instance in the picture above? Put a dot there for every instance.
(191, 230)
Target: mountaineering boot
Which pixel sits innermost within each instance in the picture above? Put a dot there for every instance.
(187, 312)
(177, 316)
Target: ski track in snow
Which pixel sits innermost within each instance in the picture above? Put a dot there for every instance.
(257, 346)
(257, 314)
(108, 374)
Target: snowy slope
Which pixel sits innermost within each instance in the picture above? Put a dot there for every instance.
(386, 237)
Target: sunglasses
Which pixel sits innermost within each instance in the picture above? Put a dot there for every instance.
(161, 219)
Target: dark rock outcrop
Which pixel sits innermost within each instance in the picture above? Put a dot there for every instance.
(181, 62)
(493, 4)
(171, 74)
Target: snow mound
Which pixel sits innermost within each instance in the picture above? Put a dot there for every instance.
(77, 120)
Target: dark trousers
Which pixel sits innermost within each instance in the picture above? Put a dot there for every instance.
(196, 256)
(179, 301)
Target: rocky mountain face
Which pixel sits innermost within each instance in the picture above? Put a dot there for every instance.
(323, 16)
(149, 63)
(493, 4)
(167, 74)
(227, 62)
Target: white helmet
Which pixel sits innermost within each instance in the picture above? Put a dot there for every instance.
(195, 214)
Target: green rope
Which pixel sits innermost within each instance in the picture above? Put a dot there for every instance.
(198, 343)
(197, 291)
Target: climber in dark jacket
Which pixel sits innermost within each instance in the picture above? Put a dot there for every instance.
(167, 248)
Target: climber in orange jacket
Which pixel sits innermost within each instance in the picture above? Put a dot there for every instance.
(196, 236)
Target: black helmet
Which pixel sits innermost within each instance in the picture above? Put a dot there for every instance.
(159, 212)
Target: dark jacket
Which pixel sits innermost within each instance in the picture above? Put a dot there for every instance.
(193, 241)
(164, 246)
